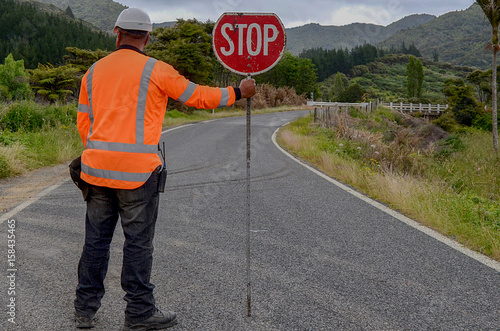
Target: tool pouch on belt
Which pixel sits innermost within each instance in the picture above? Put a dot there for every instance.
(75, 169)
(162, 179)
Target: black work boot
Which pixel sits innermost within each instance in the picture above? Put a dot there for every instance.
(158, 321)
(84, 322)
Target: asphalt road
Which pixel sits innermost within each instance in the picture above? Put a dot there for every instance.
(322, 259)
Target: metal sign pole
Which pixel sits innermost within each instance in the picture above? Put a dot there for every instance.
(249, 283)
(265, 32)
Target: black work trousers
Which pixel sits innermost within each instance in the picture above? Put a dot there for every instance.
(138, 211)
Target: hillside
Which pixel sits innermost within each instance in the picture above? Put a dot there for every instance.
(101, 13)
(347, 36)
(457, 37)
(40, 33)
(386, 78)
(163, 25)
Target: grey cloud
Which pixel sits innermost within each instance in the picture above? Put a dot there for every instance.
(319, 11)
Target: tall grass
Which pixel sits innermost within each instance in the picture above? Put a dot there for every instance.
(33, 136)
(456, 193)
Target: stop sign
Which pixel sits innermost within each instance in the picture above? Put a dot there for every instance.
(249, 43)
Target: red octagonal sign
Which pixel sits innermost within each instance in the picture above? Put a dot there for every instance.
(249, 43)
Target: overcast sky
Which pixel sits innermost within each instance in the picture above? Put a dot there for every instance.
(299, 12)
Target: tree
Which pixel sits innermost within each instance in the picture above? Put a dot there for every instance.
(54, 84)
(338, 84)
(14, 80)
(82, 58)
(435, 56)
(463, 104)
(415, 78)
(187, 46)
(481, 80)
(354, 93)
(491, 9)
(69, 12)
(299, 73)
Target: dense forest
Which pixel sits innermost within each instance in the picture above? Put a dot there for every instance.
(330, 61)
(39, 37)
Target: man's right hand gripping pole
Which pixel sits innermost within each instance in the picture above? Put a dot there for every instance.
(247, 88)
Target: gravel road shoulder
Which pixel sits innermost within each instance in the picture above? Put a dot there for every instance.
(16, 190)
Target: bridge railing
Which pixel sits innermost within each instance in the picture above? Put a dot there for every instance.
(367, 106)
(426, 109)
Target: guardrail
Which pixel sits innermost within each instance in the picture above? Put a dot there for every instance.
(425, 109)
(367, 106)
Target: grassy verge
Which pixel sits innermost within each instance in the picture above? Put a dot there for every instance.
(454, 189)
(33, 136)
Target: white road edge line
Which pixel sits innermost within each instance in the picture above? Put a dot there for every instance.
(434, 234)
(39, 195)
(33, 199)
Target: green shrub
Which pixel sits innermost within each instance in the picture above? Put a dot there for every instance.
(14, 80)
(484, 122)
(57, 115)
(7, 138)
(383, 113)
(22, 116)
(31, 117)
(449, 145)
(356, 113)
(446, 122)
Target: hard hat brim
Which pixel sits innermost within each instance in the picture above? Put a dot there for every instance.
(136, 26)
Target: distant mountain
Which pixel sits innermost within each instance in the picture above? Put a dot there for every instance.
(457, 37)
(163, 25)
(347, 36)
(101, 13)
(51, 9)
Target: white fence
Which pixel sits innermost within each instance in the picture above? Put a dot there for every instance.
(426, 109)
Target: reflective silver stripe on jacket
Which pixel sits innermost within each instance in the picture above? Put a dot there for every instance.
(141, 102)
(122, 147)
(138, 147)
(116, 175)
(224, 100)
(83, 108)
(90, 76)
(188, 92)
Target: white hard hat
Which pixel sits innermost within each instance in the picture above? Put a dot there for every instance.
(134, 19)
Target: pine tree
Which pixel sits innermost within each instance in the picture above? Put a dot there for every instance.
(338, 85)
(69, 12)
(415, 78)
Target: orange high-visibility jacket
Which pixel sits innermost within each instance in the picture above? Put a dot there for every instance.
(122, 105)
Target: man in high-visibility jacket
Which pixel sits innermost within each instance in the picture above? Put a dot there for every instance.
(121, 108)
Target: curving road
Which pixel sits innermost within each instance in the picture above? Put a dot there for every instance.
(322, 258)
